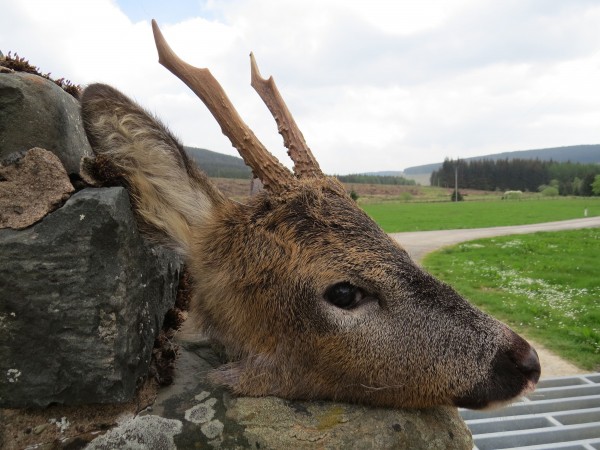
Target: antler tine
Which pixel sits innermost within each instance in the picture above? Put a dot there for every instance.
(265, 166)
(305, 164)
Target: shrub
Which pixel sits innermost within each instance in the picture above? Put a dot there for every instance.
(456, 196)
(550, 191)
(353, 195)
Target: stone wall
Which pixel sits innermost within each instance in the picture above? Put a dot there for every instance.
(83, 295)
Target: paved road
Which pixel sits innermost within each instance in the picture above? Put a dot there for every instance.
(419, 243)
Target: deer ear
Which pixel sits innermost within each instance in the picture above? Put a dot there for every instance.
(170, 194)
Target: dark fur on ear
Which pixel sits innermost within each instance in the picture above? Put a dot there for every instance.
(169, 191)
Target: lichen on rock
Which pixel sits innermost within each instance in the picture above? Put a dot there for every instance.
(140, 433)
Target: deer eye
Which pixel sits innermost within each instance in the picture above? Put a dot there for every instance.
(344, 295)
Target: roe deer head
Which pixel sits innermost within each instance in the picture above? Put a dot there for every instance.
(310, 298)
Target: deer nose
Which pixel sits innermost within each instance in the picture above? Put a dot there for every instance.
(530, 366)
(514, 371)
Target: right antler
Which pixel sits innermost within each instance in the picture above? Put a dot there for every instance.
(305, 164)
(265, 166)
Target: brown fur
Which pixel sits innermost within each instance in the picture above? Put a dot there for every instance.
(261, 270)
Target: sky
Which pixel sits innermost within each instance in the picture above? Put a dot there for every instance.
(374, 86)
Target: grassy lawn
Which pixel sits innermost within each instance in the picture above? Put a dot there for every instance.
(545, 285)
(399, 216)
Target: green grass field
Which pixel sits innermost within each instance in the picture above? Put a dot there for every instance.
(545, 285)
(403, 216)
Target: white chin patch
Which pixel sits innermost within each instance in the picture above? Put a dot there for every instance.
(501, 404)
(529, 388)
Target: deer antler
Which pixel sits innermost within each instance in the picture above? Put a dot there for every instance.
(265, 166)
(305, 164)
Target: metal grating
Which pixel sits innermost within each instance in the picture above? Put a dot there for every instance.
(563, 413)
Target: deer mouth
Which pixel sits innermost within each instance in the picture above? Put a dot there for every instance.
(514, 373)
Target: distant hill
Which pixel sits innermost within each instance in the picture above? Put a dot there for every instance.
(218, 165)
(573, 153)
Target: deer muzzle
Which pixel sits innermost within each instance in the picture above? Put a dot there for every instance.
(514, 372)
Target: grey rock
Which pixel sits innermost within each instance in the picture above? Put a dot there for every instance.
(35, 112)
(32, 187)
(82, 298)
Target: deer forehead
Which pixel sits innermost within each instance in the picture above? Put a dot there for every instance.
(319, 226)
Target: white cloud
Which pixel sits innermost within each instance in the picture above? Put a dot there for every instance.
(377, 85)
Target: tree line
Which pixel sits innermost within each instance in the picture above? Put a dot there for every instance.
(375, 179)
(567, 178)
